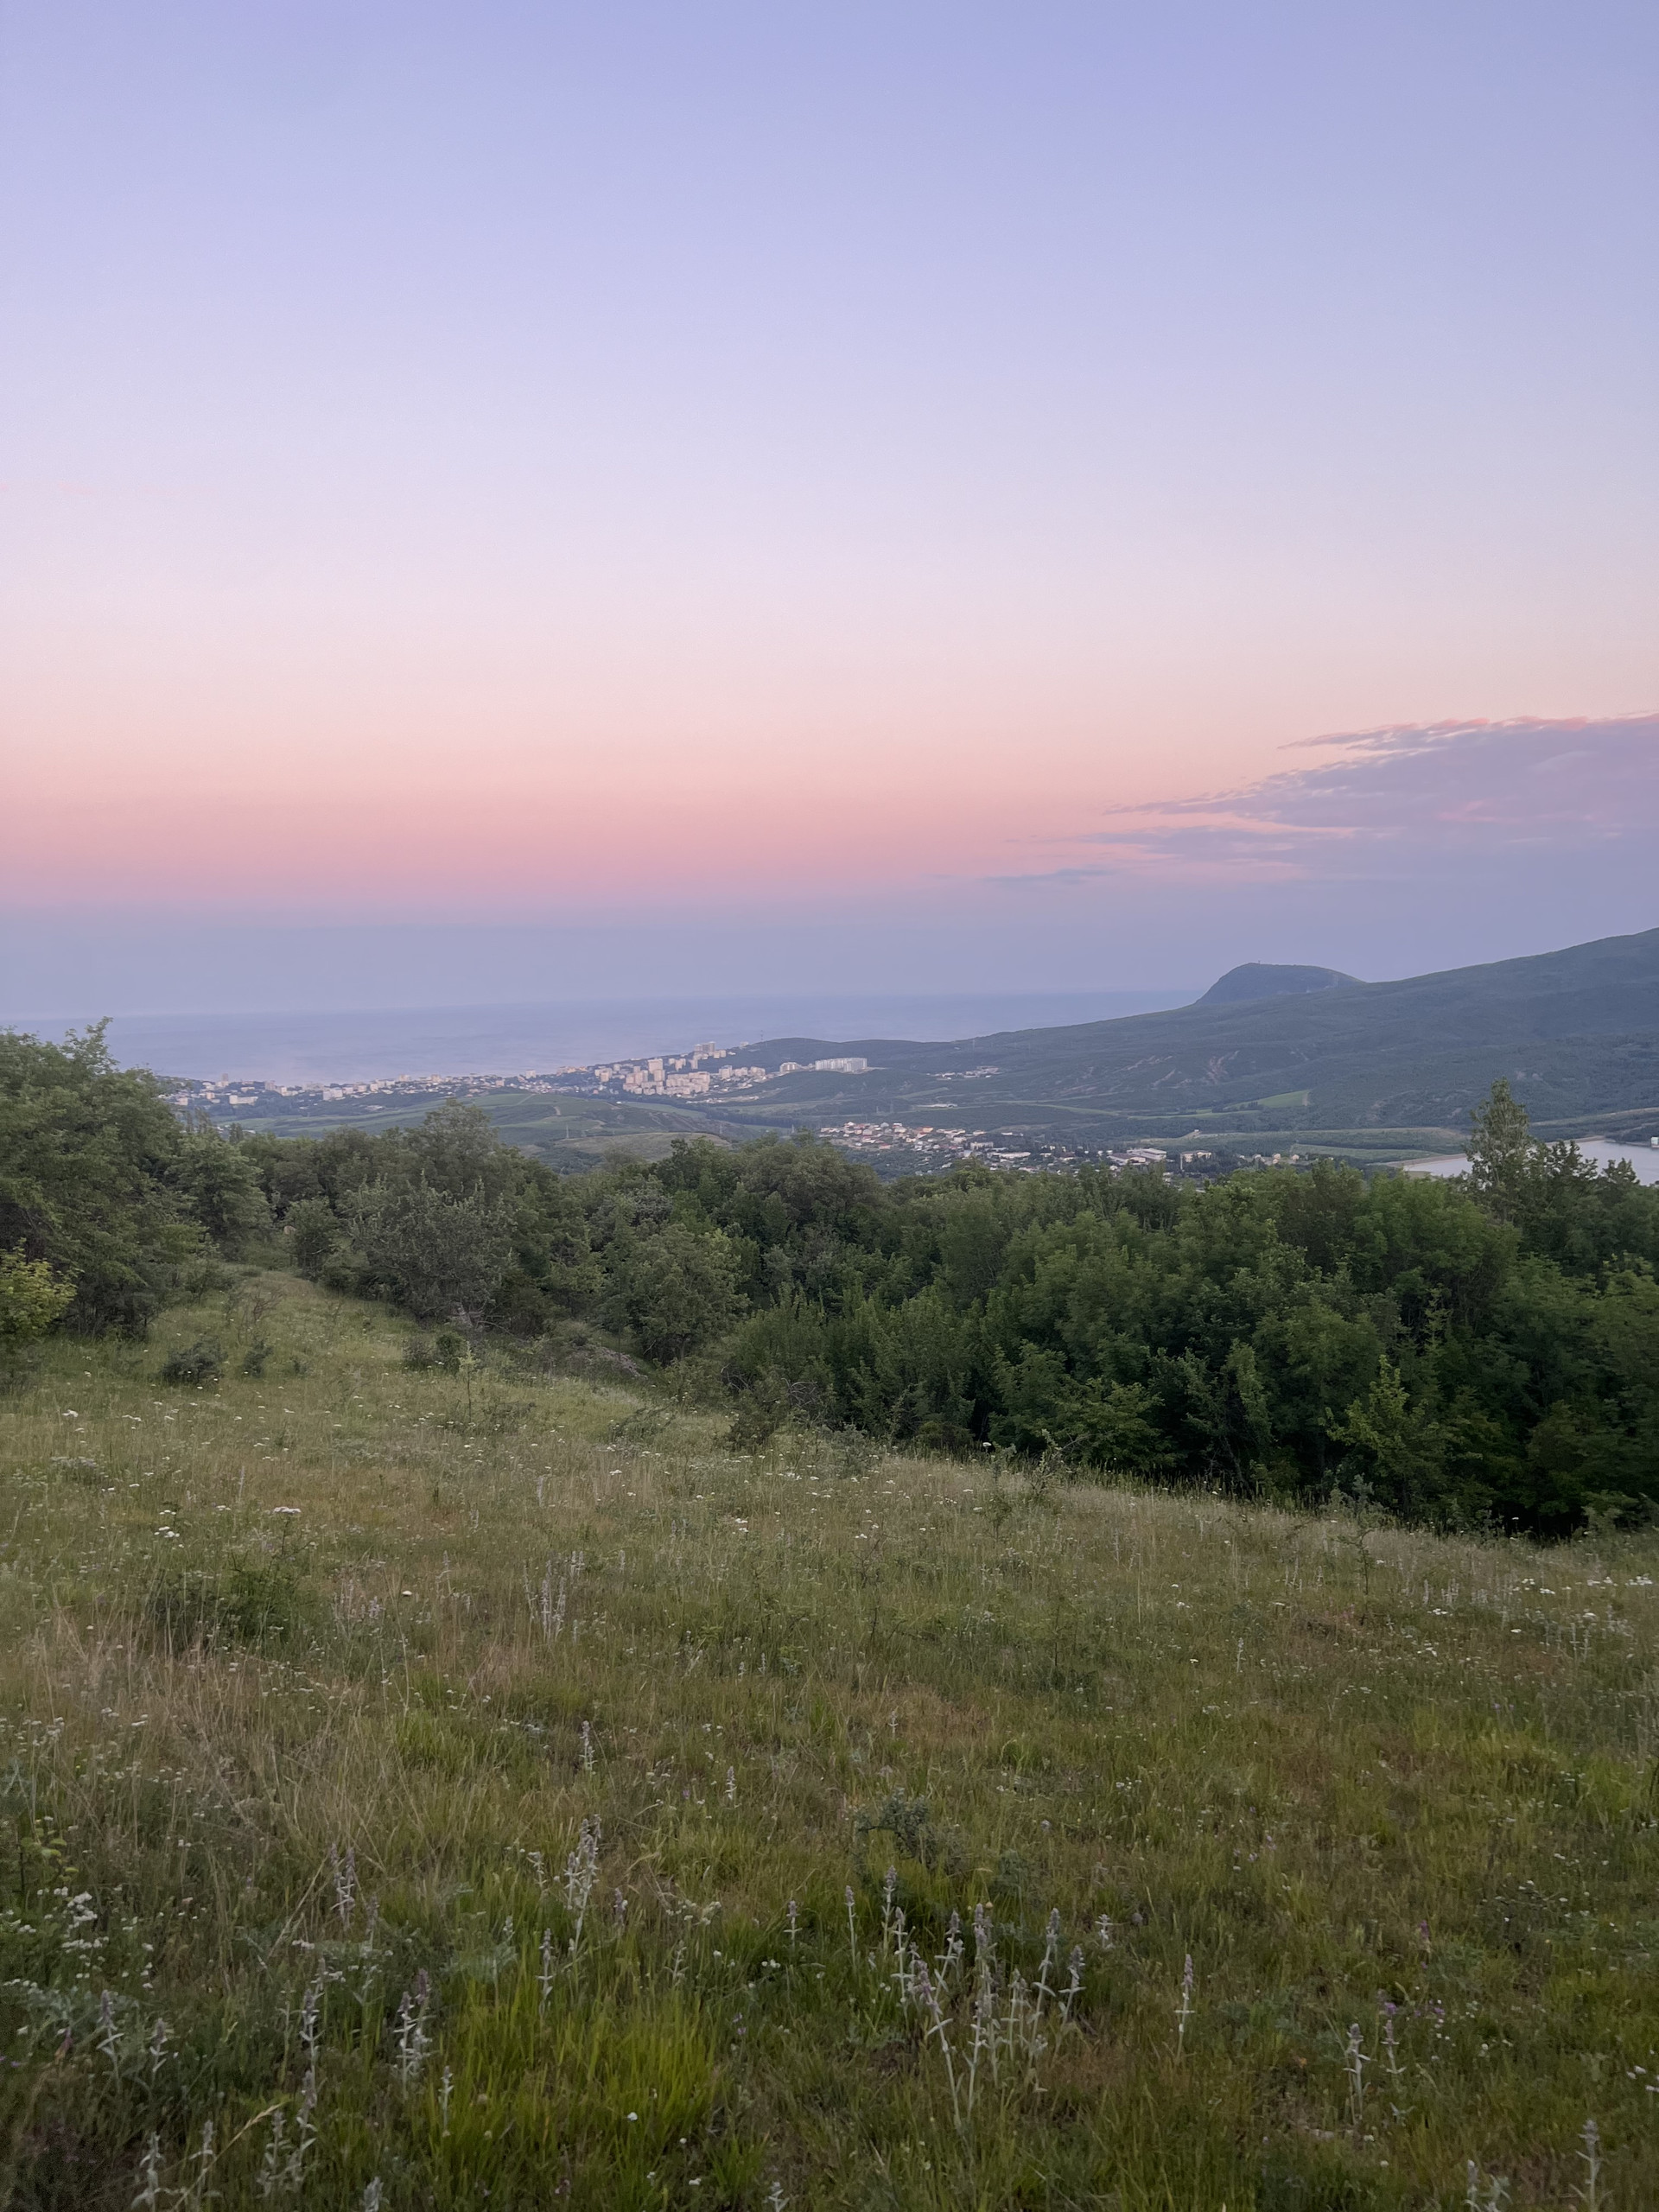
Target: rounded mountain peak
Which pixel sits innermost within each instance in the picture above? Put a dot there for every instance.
(1258, 979)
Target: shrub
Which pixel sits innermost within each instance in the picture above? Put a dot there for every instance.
(91, 1156)
(201, 1362)
(432, 1251)
(313, 1233)
(32, 1298)
(679, 1291)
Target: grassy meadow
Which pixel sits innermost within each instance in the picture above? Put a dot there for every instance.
(436, 1788)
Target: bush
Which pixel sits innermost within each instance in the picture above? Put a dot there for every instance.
(201, 1362)
(313, 1232)
(90, 1165)
(679, 1291)
(431, 1252)
(32, 1298)
(221, 1185)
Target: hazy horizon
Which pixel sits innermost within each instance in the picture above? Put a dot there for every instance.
(534, 501)
(374, 1043)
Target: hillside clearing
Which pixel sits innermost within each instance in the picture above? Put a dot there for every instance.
(428, 1788)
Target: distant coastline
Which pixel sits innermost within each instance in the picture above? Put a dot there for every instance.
(454, 1041)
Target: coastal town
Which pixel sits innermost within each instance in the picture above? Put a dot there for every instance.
(706, 1071)
(704, 1076)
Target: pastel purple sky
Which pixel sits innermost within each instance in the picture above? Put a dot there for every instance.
(666, 497)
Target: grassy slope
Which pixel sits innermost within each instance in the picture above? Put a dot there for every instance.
(1335, 1774)
(1576, 1032)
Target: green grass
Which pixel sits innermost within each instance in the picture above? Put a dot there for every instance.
(311, 1680)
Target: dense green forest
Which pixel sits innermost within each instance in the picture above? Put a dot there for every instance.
(1485, 1349)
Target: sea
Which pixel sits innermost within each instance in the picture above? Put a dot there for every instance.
(376, 1043)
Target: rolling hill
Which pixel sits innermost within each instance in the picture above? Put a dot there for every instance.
(1382, 1064)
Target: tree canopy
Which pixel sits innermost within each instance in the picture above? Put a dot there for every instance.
(1486, 1347)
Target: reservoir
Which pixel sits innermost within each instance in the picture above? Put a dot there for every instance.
(1644, 1157)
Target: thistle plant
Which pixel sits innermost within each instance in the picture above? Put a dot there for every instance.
(1051, 1954)
(581, 1872)
(1184, 2010)
(305, 2132)
(1073, 1989)
(204, 2158)
(271, 2173)
(150, 2176)
(1590, 2157)
(1354, 2064)
(1390, 2046)
(413, 2041)
(949, 1960)
(344, 1870)
(1496, 2190)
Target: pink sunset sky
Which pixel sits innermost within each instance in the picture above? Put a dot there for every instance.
(1078, 493)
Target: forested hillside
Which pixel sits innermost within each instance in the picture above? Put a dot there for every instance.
(1576, 1033)
(1448, 1351)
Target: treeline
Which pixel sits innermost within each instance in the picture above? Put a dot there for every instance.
(1484, 1349)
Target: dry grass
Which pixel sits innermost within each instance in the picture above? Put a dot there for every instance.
(312, 1678)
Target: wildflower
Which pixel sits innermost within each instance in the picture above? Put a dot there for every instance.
(413, 2041)
(1184, 2010)
(581, 1872)
(150, 2195)
(1590, 2157)
(1354, 2063)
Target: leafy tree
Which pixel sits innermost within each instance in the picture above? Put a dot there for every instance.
(313, 1229)
(90, 1161)
(221, 1185)
(1502, 1151)
(678, 1290)
(433, 1251)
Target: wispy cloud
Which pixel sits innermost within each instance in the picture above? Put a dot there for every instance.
(1402, 803)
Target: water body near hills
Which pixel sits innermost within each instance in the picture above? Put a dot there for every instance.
(496, 1040)
(1268, 1061)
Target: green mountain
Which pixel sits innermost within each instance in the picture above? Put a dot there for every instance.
(1258, 979)
(1380, 1065)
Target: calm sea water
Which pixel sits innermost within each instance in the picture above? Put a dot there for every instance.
(517, 1039)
